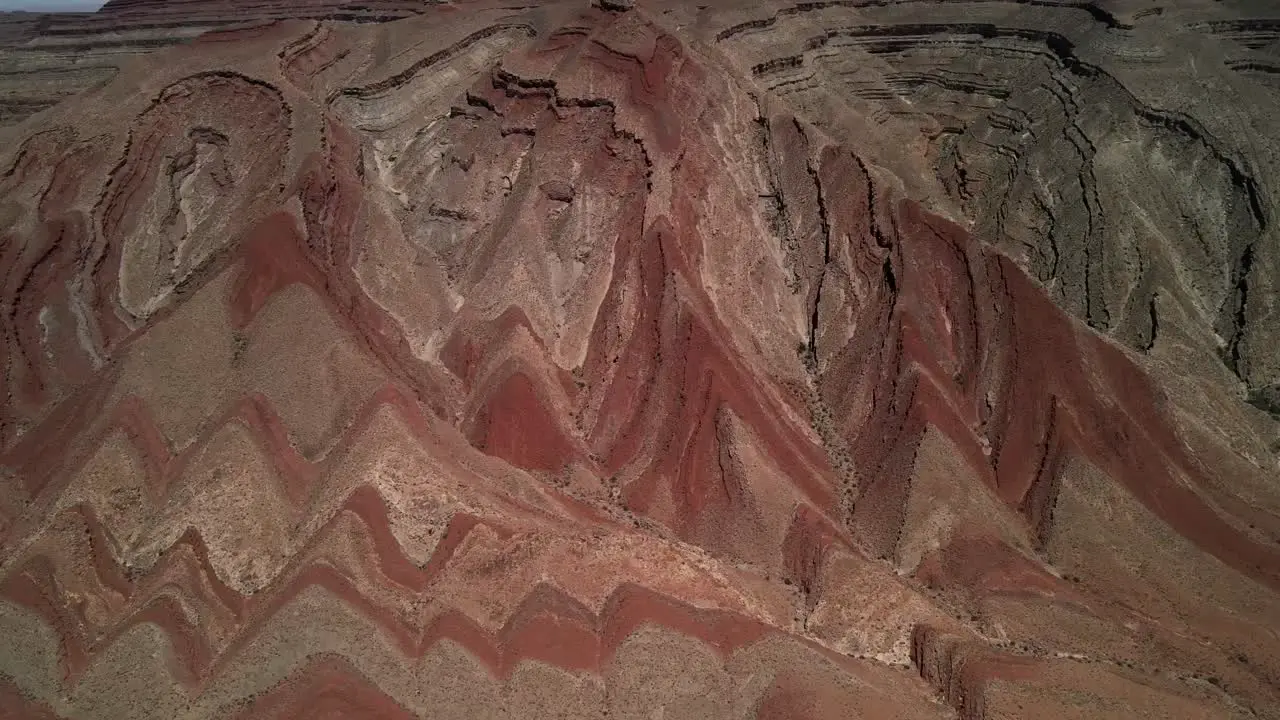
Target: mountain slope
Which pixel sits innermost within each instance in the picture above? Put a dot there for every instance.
(823, 360)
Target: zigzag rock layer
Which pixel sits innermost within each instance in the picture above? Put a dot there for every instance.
(846, 359)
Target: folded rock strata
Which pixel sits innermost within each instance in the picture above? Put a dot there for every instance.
(842, 359)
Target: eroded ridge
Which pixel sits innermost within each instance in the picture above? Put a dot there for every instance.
(614, 359)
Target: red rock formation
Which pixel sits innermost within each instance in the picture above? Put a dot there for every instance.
(535, 362)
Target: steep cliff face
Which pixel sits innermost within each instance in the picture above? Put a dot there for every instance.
(843, 359)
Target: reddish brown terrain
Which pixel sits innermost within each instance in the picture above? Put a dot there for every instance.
(892, 359)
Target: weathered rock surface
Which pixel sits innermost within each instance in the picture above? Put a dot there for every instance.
(843, 359)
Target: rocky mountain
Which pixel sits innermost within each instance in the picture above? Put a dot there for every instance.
(843, 359)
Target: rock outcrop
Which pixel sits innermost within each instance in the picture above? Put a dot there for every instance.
(842, 359)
